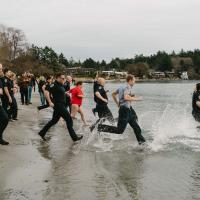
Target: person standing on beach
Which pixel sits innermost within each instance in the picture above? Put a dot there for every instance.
(127, 115)
(196, 103)
(31, 86)
(23, 88)
(7, 90)
(13, 111)
(58, 103)
(3, 115)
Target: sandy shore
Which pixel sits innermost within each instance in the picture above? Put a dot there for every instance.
(29, 166)
(22, 168)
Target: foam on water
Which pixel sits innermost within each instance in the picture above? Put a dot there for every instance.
(173, 128)
(175, 125)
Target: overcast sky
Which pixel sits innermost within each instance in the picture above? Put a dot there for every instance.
(104, 29)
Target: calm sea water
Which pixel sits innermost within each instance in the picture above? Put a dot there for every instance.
(112, 167)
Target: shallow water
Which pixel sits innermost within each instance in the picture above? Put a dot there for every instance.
(114, 167)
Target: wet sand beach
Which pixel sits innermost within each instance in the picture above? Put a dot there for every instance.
(104, 167)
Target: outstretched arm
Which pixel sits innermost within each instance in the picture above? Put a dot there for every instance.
(127, 97)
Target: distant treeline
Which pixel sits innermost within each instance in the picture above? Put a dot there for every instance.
(16, 53)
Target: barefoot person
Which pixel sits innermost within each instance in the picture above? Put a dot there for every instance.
(76, 100)
(57, 92)
(126, 113)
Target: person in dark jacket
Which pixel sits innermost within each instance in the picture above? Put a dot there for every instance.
(3, 115)
(67, 86)
(23, 85)
(58, 103)
(41, 84)
(196, 103)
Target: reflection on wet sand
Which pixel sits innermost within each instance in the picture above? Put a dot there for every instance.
(102, 166)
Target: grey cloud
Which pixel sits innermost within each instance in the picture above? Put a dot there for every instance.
(106, 28)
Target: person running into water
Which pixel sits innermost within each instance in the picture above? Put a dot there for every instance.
(67, 86)
(76, 100)
(101, 99)
(41, 84)
(196, 103)
(95, 85)
(126, 112)
(46, 88)
(58, 102)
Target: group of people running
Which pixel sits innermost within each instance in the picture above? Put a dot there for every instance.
(67, 102)
(66, 98)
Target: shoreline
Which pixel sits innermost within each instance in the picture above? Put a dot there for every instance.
(91, 80)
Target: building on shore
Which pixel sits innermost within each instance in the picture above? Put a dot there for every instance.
(80, 71)
(156, 74)
(184, 76)
(114, 74)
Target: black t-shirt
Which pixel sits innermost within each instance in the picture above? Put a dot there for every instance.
(101, 90)
(12, 87)
(96, 84)
(6, 82)
(40, 85)
(1, 85)
(58, 93)
(67, 89)
(195, 99)
(2, 81)
(47, 87)
(32, 82)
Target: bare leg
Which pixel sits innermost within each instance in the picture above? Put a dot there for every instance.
(80, 110)
(74, 111)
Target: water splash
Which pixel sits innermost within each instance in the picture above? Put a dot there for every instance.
(175, 125)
